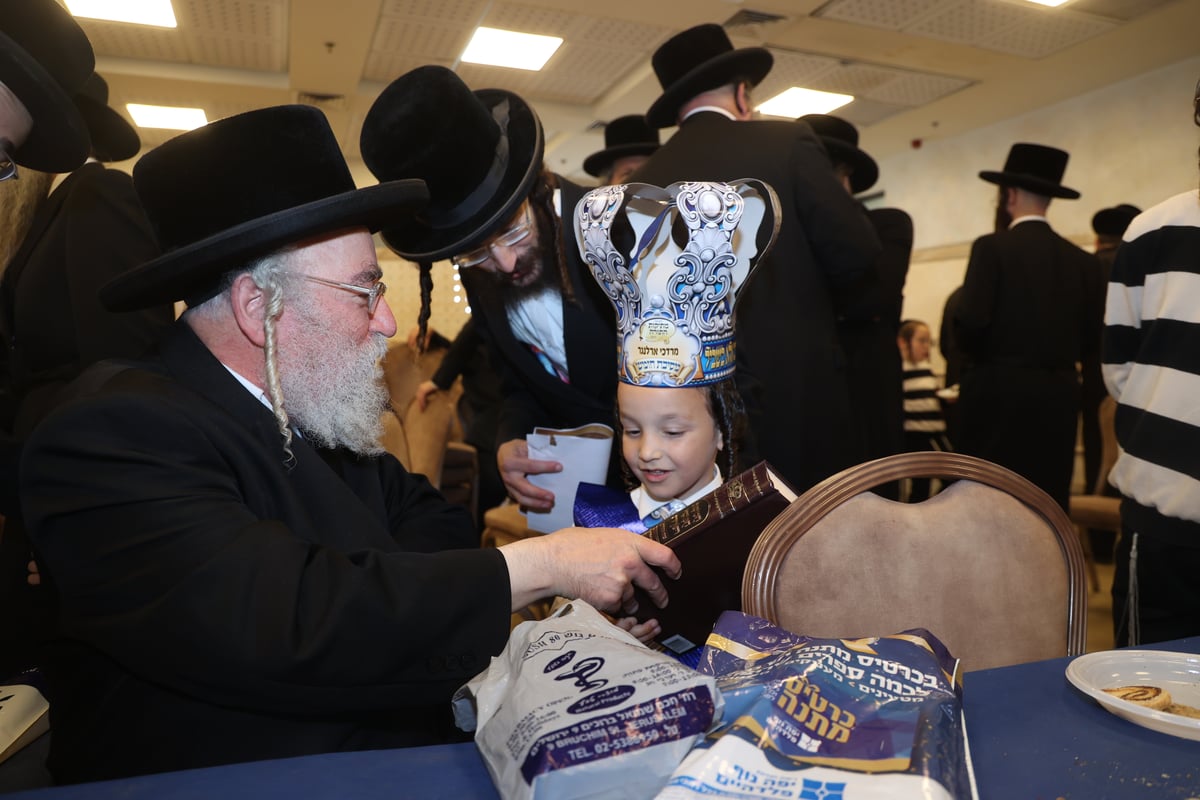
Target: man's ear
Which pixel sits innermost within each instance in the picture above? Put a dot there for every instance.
(741, 99)
(249, 302)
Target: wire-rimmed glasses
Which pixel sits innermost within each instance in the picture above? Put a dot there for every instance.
(510, 237)
(372, 293)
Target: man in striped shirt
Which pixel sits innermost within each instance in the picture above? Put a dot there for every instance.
(1151, 363)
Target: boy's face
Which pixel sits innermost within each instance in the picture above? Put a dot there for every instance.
(669, 438)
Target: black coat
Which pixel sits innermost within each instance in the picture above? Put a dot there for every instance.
(1031, 308)
(868, 324)
(90, 229)
(218, 606)
(791, 368)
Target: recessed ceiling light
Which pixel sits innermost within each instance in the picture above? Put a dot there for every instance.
(177, 119)
(796, 102)
(499, 48)
(140, 12)
(1051, 3)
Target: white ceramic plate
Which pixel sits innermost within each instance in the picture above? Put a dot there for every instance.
(1178, 673)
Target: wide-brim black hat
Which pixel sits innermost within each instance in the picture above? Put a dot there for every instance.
(44, 58)
(478, 152)
(239, 188)
(696, 60)
(113, 138)
(1035, 168)
(623, 137)
(1113, 221)
(840, 138)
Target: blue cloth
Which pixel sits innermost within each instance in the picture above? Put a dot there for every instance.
(597, 506)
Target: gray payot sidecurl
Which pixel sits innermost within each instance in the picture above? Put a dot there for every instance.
(268, 273)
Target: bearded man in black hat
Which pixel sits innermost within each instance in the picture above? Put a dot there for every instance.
(497, 214)
(869, 312)
(791, 369)
(243, 573)
(1029, 312)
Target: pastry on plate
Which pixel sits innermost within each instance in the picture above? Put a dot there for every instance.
(1148, 696)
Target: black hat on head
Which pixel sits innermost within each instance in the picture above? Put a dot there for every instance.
(44, 58)
(623, 137)
(841, 140)
(240, 188)
(1113, 221)
(113, 139)
(478, 152)
(699, 59)
(1035, 168)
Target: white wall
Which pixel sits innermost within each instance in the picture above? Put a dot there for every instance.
(1133, 142)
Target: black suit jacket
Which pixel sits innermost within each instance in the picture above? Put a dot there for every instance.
(90, 229)
(532, 396)
(1030, 309)
(791, 368)
(218, 605)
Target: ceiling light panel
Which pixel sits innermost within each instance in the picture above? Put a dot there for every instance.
(138, 12)
(513, 49)
(797, 101)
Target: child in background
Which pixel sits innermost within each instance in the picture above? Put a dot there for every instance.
(924, 424)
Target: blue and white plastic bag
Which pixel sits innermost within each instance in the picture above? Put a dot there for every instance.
(807, 718)
(576, 707)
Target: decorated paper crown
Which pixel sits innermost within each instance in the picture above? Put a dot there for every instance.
(672, 261)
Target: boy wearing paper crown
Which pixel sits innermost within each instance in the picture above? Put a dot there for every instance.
(672, 261)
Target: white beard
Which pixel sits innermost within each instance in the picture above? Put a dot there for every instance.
(333, 389)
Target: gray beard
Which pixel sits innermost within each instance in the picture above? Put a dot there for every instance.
(333, 390)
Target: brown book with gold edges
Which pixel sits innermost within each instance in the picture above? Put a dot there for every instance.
(713, 537)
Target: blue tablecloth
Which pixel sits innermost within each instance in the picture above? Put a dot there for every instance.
(1032, 734)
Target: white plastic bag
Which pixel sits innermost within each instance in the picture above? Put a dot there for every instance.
(575, 707)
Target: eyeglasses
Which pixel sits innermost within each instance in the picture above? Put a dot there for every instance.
(8, 167)
(372, 294)
(509, 237)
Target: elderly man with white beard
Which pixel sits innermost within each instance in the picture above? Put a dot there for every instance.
(241, 573)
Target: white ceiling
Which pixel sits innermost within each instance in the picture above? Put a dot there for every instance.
(919, 68)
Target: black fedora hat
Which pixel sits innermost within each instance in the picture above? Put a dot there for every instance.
(478, 152)
(240, 188)
(1035, 168)
(44, 58)
(841, 140)
(696, 60)
(623, 137)
(1113, 221)
(113, 138)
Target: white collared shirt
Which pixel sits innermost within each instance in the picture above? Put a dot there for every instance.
(717, 109)
(1027, 218)
(646, 504)
(538, 320)
(250, 387)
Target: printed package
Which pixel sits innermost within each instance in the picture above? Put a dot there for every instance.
(809, 718)
(576, 707)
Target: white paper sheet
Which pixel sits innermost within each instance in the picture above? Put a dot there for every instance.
(583, 452)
